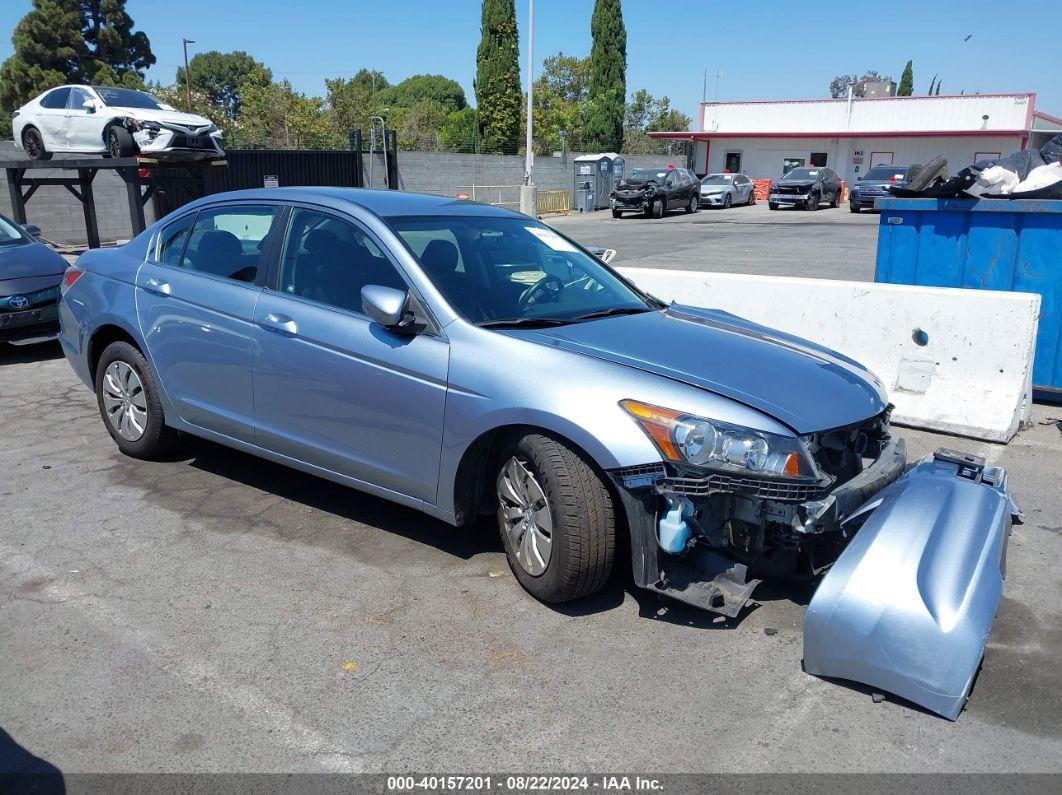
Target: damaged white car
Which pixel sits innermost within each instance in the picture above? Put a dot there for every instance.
(114, 122)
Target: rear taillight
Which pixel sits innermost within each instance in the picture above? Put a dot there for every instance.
(73, 273)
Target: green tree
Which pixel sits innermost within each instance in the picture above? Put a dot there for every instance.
(559, 98)
(111, 40)
(66, 41)
(350, 101)
(219, 76)
(497, 81)
(419, 88)
(50, 50)
(603, 126)
(460, 131)
(276, 116)
(645, 113)
(906, 81)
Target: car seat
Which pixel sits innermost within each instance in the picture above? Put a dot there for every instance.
(220, 253)
(440, 259)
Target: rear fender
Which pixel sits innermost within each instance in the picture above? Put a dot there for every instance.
(909, 604)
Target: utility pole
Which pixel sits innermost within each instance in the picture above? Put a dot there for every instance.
(528, 203)
(187, 77)
(704, 90)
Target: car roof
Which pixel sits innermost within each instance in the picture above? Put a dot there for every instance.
(384, 203)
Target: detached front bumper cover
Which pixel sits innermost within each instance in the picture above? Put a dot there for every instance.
(909, 604)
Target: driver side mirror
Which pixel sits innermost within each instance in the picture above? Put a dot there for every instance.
(387, 306)
(89, 105)
(32, 230)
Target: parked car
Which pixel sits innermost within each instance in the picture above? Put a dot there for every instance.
(467, 360)
(808, 187)
(30, 275)
(114, 122)
(723, 190)
(875, 185)
(654, 191)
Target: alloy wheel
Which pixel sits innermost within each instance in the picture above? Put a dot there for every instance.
(524, 514)
(125, 401)
(31, 141)
(113, 144)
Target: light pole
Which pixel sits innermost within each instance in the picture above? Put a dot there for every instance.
(187, 77)
(372, 147)
(527, 191)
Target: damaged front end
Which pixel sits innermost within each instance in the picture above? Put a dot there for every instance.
(913, 560)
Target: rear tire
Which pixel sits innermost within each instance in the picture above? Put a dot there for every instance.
(752, 198)
(853, 208)
(155, 438)
(772, 206)
(578, 508)
(694, 204)
(119, 142)
(835, 202)
(33, 144)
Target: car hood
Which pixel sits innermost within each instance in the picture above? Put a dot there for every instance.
(796, 183)
(165, 116)
(640, 186)
(878, 183)
(806, 386)
(29, 260)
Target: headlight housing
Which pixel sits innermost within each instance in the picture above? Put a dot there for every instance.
(713, 444)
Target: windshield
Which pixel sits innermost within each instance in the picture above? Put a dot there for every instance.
(803, 173)
(886, 172)
(718, 179)
(9, 232)
(128, 98)
(647, 176)
(500, 270)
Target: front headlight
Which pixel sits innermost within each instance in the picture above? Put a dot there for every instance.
(713, 444)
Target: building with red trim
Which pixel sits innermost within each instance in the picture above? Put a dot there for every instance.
(765, 138)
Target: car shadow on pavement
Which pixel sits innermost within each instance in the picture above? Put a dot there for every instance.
(224, 466)
(21, 771)
(27, 354)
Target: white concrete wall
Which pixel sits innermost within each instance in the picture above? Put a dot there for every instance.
(762, 157)
(972, 377)
(1005, 112)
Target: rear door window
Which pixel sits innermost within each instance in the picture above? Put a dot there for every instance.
(56, 99)
(173, 239)
(229, 241)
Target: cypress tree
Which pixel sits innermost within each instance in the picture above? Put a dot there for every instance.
(497, 83)
(906, 81)
(608, 77)
(109, 34)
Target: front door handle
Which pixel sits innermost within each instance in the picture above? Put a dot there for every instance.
(279, 323)
(157, 286)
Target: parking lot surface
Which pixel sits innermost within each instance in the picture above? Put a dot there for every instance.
(828, 244)
(216, 612)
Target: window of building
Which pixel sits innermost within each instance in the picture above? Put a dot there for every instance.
(732, 162)
(818, 159)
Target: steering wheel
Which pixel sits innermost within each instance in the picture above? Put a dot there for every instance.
(546, 289)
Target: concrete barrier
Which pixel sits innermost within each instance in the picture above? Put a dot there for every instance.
(956, 361)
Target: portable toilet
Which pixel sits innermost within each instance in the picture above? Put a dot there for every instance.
(597, 170)
(619, 168)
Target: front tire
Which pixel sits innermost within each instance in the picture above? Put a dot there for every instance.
(727, 202)
(556, 519)
(33, 144)
(119, 142)
(617, 214)
(656, 209)
(772, 206)
(128, 398)
(853, 208)
(813, 202)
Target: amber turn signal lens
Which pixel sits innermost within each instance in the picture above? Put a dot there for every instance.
(792, 465)
(657, 422)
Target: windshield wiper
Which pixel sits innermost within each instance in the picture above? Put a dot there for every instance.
(524, 322)
(614, 311)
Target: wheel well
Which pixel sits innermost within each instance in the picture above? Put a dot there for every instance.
(27, 128)
(473, 485)
(101, 338)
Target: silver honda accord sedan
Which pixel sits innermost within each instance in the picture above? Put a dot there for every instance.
(466, 360)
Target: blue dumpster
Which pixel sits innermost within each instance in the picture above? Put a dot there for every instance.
(989, 244)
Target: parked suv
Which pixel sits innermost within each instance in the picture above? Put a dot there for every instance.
(654, 191)
(723, 190)
(807, 187)
(875, 184)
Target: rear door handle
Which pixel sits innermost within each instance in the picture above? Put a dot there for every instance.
(279, 323)
(157, 286)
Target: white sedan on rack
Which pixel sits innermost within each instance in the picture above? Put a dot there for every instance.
(114, 122)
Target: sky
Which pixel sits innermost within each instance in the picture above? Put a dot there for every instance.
(765, 49)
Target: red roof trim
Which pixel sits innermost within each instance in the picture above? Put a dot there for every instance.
(1047, 117)
(704, 136)
(1030, 94)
